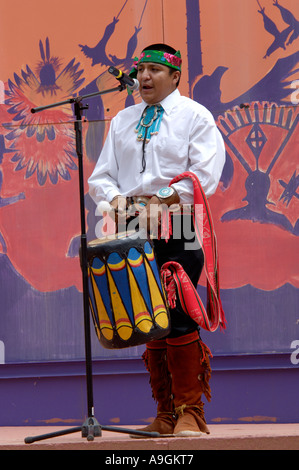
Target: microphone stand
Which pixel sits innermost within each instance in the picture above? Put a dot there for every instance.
(91, 427)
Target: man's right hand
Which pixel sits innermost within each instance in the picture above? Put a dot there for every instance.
(118, 206)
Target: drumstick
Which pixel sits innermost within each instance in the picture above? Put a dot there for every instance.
(104, 206)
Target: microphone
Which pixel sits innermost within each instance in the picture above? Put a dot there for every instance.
(131, 83)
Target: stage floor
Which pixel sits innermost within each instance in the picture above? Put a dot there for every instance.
(223, 437)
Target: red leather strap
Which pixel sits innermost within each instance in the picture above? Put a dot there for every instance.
(175, 278)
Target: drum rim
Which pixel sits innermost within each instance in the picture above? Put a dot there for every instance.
(132, 234)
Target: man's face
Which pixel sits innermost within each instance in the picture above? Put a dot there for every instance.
(155, 81)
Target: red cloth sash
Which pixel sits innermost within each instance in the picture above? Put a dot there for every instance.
(175, 278)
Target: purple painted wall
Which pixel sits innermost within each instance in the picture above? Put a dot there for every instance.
(245, 389)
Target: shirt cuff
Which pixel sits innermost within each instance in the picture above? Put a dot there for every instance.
(112, 194)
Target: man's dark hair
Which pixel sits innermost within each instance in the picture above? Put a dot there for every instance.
(164, 48)
(160, 47)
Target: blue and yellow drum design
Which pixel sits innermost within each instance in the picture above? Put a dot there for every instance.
(126, 295)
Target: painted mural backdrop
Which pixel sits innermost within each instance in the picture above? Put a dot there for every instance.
(241, 61)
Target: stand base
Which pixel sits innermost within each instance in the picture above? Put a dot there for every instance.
(89, 430)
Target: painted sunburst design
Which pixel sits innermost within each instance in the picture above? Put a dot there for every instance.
(43, 143)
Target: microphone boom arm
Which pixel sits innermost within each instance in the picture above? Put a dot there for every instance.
(78, 99)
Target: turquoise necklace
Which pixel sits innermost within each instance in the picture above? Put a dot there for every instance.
(149, 123)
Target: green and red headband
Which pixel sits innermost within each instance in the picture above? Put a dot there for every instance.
(173, 61)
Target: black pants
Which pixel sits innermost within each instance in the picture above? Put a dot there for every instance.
(187, 252)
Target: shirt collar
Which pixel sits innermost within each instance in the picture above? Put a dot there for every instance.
(169, 102)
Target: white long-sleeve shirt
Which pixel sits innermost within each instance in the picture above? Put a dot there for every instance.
(188, 140)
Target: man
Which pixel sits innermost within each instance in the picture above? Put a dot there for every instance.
(173, 134)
